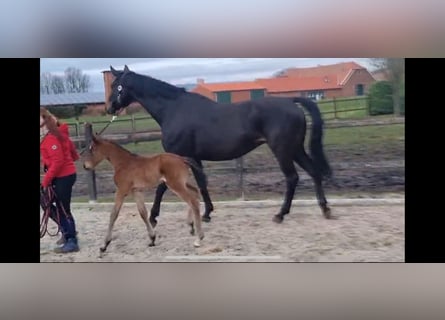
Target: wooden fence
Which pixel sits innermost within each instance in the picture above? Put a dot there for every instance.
(234, 170)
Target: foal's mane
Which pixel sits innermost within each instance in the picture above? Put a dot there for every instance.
(155, 87)
(118, 146)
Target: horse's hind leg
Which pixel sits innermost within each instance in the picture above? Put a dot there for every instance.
(160, 190)
(139, 197)
(308, 165)
(288, 168)
(118, 200)
(201, 180)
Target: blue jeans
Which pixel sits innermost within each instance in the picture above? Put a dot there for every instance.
(63, 187)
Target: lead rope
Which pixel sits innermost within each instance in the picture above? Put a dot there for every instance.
(101, 131)
(48, 198)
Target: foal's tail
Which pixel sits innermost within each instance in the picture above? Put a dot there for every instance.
(316, 145)
(200, 176)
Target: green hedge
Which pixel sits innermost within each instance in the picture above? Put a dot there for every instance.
(380, 98)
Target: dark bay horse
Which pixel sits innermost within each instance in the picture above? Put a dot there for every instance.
(134, 174)
(202, 129)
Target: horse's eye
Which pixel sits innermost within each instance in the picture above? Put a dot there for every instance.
(119, 88)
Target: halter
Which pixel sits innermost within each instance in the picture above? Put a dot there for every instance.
(101, 131)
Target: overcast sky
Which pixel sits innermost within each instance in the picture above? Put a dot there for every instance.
(186, 70)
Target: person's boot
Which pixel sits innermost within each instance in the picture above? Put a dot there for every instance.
(61, 241)
(69, 246)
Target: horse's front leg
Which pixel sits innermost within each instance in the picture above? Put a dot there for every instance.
(154, 212)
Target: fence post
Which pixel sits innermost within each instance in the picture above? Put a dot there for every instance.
(76, 126)
(240, 169)
(133, 127)
(368, 110)
(91, 174)
(335, 108)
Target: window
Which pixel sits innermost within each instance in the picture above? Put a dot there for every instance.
(255, 94)
(359, 90)
(315, 95)
(224, 97)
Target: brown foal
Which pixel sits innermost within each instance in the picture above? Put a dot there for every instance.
(133, 174)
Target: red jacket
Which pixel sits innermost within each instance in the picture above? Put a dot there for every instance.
(58, 156)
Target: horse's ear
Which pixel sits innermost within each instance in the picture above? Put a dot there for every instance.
(114, 72)
(94, 137)
(126, 69)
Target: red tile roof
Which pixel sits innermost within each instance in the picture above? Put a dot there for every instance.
(342, 71)
(232, 86)
(289, 84)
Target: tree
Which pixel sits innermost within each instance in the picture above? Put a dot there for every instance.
(72, 81)
(57, 84)
(75, 81)
(395, 72)
(45, 83)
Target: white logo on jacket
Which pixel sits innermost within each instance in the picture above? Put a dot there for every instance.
(54, 147)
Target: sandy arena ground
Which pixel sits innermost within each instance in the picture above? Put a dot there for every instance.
(367, 230)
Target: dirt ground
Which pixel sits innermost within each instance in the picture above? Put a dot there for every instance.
(243, 231)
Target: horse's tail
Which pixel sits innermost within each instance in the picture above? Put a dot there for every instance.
(200, 176)
(316, 145)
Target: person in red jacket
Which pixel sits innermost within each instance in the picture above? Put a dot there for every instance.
(58, 154)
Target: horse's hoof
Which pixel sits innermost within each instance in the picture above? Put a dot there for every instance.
(206, 218)
(327, 213)
(152, 243)
(197, 243)
(277, 218)
(102, 249)
(201, 237)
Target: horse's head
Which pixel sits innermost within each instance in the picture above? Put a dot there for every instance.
(120, 96)
(93, 154)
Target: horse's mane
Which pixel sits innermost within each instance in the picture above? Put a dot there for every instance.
(155, 87)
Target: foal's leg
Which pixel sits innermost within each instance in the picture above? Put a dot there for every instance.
(190, 221)
(202, 184)
(191, 196)
(193, 203)
(118, 200)
(288, 168)
(139, 197)
(160, 190)
(308, 165)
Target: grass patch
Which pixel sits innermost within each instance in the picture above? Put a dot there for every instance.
(365, 135)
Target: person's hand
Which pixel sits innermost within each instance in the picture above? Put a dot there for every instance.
(43, 189)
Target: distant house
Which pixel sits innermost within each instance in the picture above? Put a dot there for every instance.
(229, 92)
(312, 87)
(321, 82)
(324, 81)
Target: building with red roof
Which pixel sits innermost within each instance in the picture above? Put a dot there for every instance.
(328, 81)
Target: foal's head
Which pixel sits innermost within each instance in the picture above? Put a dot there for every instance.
(94, 153)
